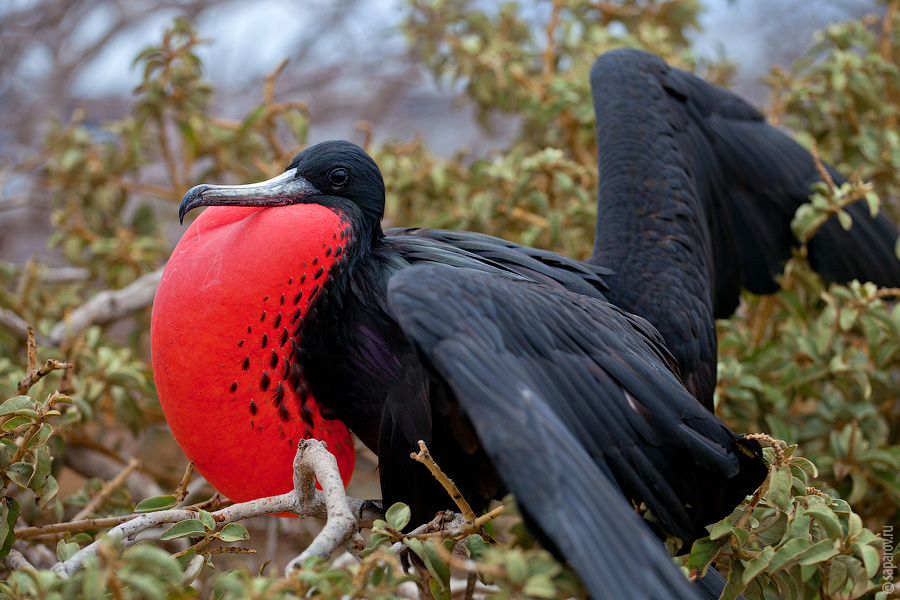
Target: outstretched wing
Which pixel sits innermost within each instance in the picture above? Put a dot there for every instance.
(576, 405)
(750, 177)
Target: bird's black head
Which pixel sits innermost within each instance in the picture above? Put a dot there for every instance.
(342, 170)
(336, 174)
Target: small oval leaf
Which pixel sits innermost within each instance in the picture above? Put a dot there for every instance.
(234, 532)
(188, 528)
(156, 503)
(397, 516)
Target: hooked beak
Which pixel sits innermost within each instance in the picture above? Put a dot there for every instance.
(287, 188)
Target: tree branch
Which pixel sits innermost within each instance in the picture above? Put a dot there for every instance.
(17, 326)
(313, 462)
(15, 560)
(108, 306)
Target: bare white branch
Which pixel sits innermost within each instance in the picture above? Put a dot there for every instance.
(108, 306)
(313, 461)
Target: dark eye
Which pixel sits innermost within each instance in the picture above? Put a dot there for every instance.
(338, 176)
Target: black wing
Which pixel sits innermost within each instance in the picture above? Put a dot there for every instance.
(552, 268)
(576, 405)
(751, 179)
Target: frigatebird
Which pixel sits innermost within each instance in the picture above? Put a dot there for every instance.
(522, 369)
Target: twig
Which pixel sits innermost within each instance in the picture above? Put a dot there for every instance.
(108, 306)
(72, 526)
(776, 445)
(820, 167)
(168, 158)
(470, 585)
(446, 528)
(148, 189)
(548, 58)
(181, 491)
(424, 457)
(31, 354)
(33, 374)
(107, 490)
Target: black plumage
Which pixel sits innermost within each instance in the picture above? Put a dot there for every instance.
(696, 197)
(576, 402)
(522, 369)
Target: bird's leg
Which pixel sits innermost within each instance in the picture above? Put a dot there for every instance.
(373, 508)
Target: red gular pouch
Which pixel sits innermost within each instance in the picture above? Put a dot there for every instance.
(225, 319)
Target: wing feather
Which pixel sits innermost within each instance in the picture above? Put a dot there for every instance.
(576, 406)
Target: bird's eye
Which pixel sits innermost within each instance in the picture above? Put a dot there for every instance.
(338, 177)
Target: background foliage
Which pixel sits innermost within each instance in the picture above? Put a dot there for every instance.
(815, 365)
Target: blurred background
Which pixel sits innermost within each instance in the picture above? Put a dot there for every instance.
(349, 60)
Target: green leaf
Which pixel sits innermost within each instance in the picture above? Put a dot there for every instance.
(845, 219)
(9, 513)
(207, 519)
(721, 529)
(758, 564)
(166, 565)
(188, 528)
(827, 519)
(702, 554)
(817, 553)
(439, 592)
(788, 553)
(49, 493)
(436, 563)
(779, 494)
(540, 586)
(837, 576)
(787, 585)
(805, 464)
(65, 550)
(475, 546)
(20, 473)
(869, 556)
(156, 503)
(397, 516)
(234, 532)
(516, 567)
(15, 422)
(17, 403)
(40, 438)
(42, 466)
(735, 584)
(146, 586)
